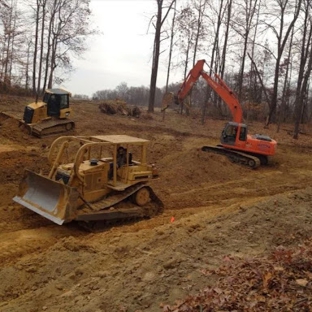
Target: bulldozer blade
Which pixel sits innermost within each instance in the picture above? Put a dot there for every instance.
(51, 199)
(4, 116)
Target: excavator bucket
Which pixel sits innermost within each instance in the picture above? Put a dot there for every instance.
(167, 100)
(51, 199)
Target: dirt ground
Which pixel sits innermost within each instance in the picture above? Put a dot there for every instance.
(213, 209)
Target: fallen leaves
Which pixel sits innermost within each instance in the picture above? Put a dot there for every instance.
(281, 282)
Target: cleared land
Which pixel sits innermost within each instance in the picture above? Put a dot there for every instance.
(221, 211)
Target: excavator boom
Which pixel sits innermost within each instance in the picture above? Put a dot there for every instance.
(226, 94)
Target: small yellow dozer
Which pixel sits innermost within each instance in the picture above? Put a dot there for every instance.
(93, 178)
(49, 116)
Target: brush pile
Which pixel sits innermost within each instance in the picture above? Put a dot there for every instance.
(112, 107)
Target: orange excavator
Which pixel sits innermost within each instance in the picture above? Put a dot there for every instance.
(236, 143)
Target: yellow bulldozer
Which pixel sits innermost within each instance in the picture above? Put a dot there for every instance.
(49, 116)
(91, 179)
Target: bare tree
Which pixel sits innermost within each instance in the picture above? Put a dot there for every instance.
(156, 50)
(200, 7)
(305, 66)
(216, 16)
(226, 36)
(36, 35)
(191, 33)
(170, 50)
(286, 89)
(10, 42)
(254, 93)
(60, 29)
(43, 18)
(286, 12)
(171, 43)
(243, 24)
(186, 22)
(69, 31)
(3, 3)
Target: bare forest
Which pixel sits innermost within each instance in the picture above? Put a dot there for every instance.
(261, 48)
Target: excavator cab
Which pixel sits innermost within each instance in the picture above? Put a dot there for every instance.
(234, 133)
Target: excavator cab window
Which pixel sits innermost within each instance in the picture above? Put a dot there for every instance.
(232, 131)
(229, 133)
(243, 133)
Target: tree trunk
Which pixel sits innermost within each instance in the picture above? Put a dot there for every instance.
(281, 113)
(171, 46)
(156, 52)
(215, 47)
(226, 36)
(41, 49)
(36, 47)
(280, 49)
(170, 52)
(304, 74)
(156, 49)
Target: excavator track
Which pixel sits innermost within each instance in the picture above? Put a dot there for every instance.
(50, 127)
(93, 216)
(250, 161)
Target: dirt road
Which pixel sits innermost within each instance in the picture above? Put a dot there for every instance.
(213, 209)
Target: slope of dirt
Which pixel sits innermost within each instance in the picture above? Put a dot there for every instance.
(213, 209)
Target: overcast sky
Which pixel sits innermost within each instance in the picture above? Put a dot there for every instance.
(122, 53)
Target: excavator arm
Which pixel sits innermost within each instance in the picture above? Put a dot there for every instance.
(189, 81)
(217, 84)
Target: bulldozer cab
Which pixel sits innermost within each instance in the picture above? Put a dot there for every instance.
(120, 160)
(57, 101)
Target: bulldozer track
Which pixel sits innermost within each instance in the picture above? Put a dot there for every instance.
(92, 211)
(102, 214)
(114, 199)
(50, 127)
(42, 129)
